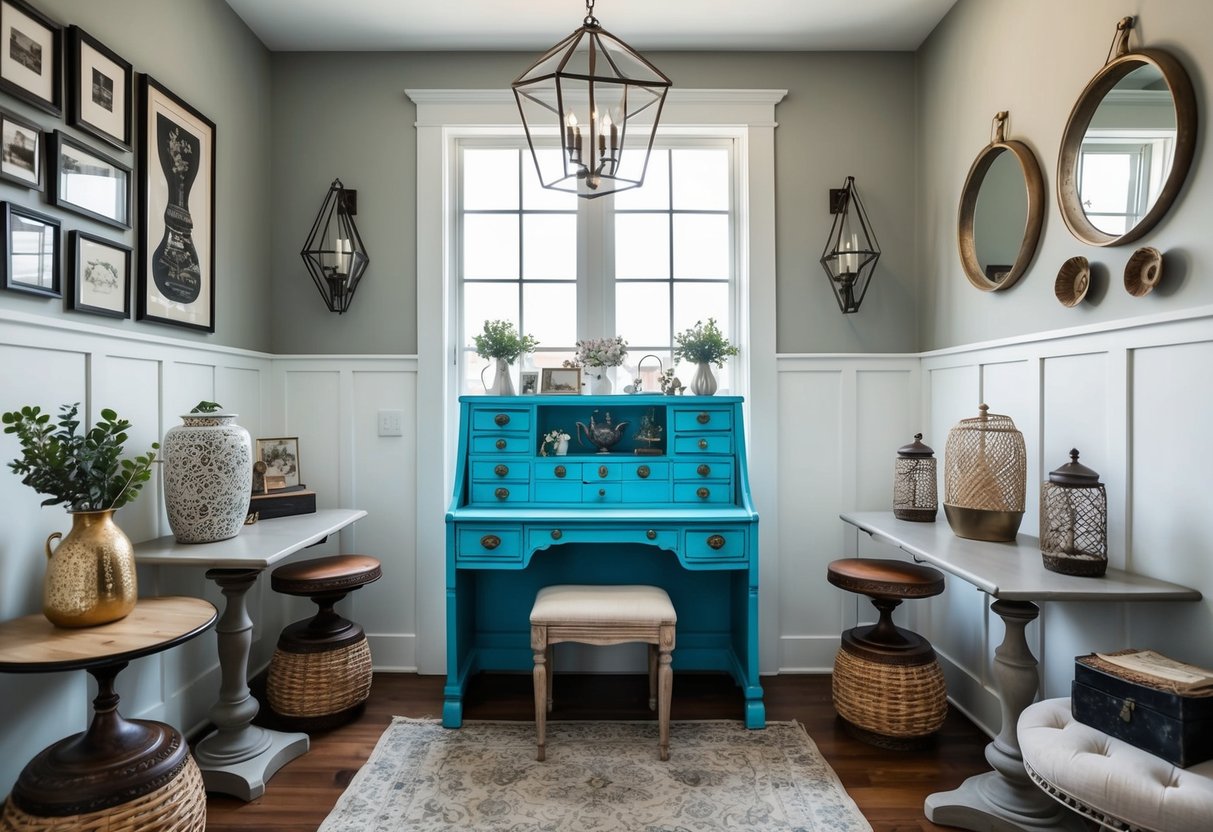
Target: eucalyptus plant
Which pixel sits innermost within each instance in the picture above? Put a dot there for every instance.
(83, 470)
(703, 344)
(500, 340)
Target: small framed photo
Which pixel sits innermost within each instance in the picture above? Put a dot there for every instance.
(31, 47)
(561, 381)
(30, 251)
(20, 151)
(101, 276)
(88, 182)
(281, 458)
(99, 89)
(528, 382)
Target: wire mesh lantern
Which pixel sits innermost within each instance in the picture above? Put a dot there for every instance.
(985, 477)
(599, 101)
(851, 251)
(1074, 521)
(334, 253)
(915, 493)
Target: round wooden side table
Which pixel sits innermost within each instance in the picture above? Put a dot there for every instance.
(138, 770)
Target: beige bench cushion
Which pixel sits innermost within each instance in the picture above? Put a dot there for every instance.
(574, 602)
(1109, 777)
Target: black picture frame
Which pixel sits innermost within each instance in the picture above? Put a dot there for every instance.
(22, 149)
(100, 89)
(26, 236)
(176, 211)
(101, 275)
(27, 71)
(79, 177)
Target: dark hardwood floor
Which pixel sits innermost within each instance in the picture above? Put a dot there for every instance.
(888, 786)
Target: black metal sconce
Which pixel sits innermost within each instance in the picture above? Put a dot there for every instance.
(334, 253)
(851, 250)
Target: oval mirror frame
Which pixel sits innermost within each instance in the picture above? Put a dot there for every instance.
(1184, 99)
(1034, 184)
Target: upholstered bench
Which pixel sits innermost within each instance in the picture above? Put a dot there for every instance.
(1109, 781)
(604, 615)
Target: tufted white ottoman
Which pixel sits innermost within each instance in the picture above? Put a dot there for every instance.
(1109, 781)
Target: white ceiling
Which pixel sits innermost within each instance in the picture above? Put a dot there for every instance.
(528, 25)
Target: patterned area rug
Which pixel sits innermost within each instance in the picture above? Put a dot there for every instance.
(599, 777)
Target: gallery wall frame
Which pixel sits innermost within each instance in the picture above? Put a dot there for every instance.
(22, 151)
(29, 251)
(101, 275)
(31, 56)
(176, 211)
(88, 182)
(100, 85)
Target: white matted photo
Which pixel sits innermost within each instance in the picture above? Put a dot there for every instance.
(528, 382)
(30, 46)
(99, 87)
(20, 151)
(101, 275)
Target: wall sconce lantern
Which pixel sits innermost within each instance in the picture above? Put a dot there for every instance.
(334, 253)
(851, 250)
(601, 100)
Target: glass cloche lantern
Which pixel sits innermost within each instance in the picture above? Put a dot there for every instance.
(1074, 521)
(915, 493)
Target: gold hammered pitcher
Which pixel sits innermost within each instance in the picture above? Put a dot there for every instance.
(90, 575)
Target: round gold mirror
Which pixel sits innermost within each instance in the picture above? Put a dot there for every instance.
(1001, 212)
(1128, 145)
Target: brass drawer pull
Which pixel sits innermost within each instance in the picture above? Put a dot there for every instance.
(502, 493)
(703, 418)
(501, 444)
(501, 470)
(602, 471)
(557, 534)
(716, 541)
(560, 471)
(502, 419)
(643, 472)
(703, 444)
(490, 542)
(702, 493)
(703, 470)
(651, 534)
(602, 492)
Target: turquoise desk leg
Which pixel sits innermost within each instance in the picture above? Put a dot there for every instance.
(452, 712)
(755, 709)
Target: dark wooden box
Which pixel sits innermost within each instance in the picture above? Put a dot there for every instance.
(283, 503)
(1177, 728)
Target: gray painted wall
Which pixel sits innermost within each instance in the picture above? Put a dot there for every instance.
(346, 116)
(1033, 58)
(206, 55)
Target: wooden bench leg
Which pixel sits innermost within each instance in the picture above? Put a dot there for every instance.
(652, 677)
(551, 673)
(665, 687)
(541, 678)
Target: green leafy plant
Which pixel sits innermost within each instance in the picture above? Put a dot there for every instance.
(207, 407)
(501, 340)
(703, 344)
(84, 471)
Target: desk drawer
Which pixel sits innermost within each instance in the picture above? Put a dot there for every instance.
(603, 492)
(647, 491)
(540, 536)
(545, 470)
(488, 544)
(557, 491)
(645, 471)
(503, 444)
(497, 419)
(703, 418)
(725, 543)
(703, 492)
(498, 492)
(708, 443)
(592, 472)
(716, 469)
(488, 471)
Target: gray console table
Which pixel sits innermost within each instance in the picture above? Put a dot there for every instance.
(1013, 574)
(238, 757)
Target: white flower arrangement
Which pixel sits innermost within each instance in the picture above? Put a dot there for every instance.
(553, 438)
(599, 352)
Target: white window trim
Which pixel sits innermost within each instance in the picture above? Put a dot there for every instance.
(444, 116)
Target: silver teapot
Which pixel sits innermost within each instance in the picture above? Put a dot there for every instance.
(602, 435)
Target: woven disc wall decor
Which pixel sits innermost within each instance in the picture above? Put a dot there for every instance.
(985, 477)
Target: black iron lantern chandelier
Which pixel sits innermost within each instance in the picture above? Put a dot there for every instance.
(334, 253)
(851, 250)
(602, 100)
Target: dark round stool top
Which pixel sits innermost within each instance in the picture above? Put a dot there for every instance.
(881, 578)
(337, 573)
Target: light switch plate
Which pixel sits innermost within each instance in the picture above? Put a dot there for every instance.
(391, 423)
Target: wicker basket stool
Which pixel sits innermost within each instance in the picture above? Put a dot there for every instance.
(320, 675)
(887, 685)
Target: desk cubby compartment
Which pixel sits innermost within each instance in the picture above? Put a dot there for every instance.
(501, 419)
(501, 444)
(723, 544)
(499, 492)
(703, 418)
(488, 470)
(693, 444)
(710, 492)
(488, 545)
(630, 409)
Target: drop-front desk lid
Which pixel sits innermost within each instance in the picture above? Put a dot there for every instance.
(601, 514)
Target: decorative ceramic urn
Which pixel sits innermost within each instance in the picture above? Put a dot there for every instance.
(208, 476)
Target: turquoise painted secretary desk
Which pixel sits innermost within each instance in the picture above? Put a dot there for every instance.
(661, 498)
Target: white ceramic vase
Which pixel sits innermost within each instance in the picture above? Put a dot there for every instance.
(704, 383)
(600, 381)
(562, 447)
(503, 384)
(208, 477)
